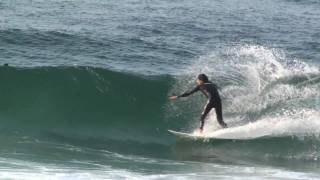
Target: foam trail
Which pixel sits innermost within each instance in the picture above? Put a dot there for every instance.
(302, 124)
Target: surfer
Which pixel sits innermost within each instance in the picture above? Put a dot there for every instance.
(214, 101)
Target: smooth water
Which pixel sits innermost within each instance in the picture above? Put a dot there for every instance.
(85, 92)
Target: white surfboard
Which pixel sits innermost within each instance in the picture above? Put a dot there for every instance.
(220, 134)
(187, 135)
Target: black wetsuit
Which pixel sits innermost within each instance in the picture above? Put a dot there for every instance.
(210, 91)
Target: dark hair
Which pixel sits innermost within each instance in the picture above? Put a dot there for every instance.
(203, 77)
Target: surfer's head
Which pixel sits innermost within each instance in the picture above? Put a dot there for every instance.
(202, 78)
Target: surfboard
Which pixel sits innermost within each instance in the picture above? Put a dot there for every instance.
(186, 135)
(199, 136)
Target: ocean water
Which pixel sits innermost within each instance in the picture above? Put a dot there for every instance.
(85, 92)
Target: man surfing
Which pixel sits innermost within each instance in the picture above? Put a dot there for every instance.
(214, 101)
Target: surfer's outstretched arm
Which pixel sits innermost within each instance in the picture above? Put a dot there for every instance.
(188, 93)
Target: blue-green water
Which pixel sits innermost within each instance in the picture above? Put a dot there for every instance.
(85, 92)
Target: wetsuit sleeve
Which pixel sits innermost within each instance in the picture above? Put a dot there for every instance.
(188, 93)
(204, 93)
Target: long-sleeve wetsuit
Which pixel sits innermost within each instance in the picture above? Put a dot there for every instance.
(210, 91)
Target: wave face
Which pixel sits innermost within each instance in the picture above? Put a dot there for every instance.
(81, 100)
(267, 97)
